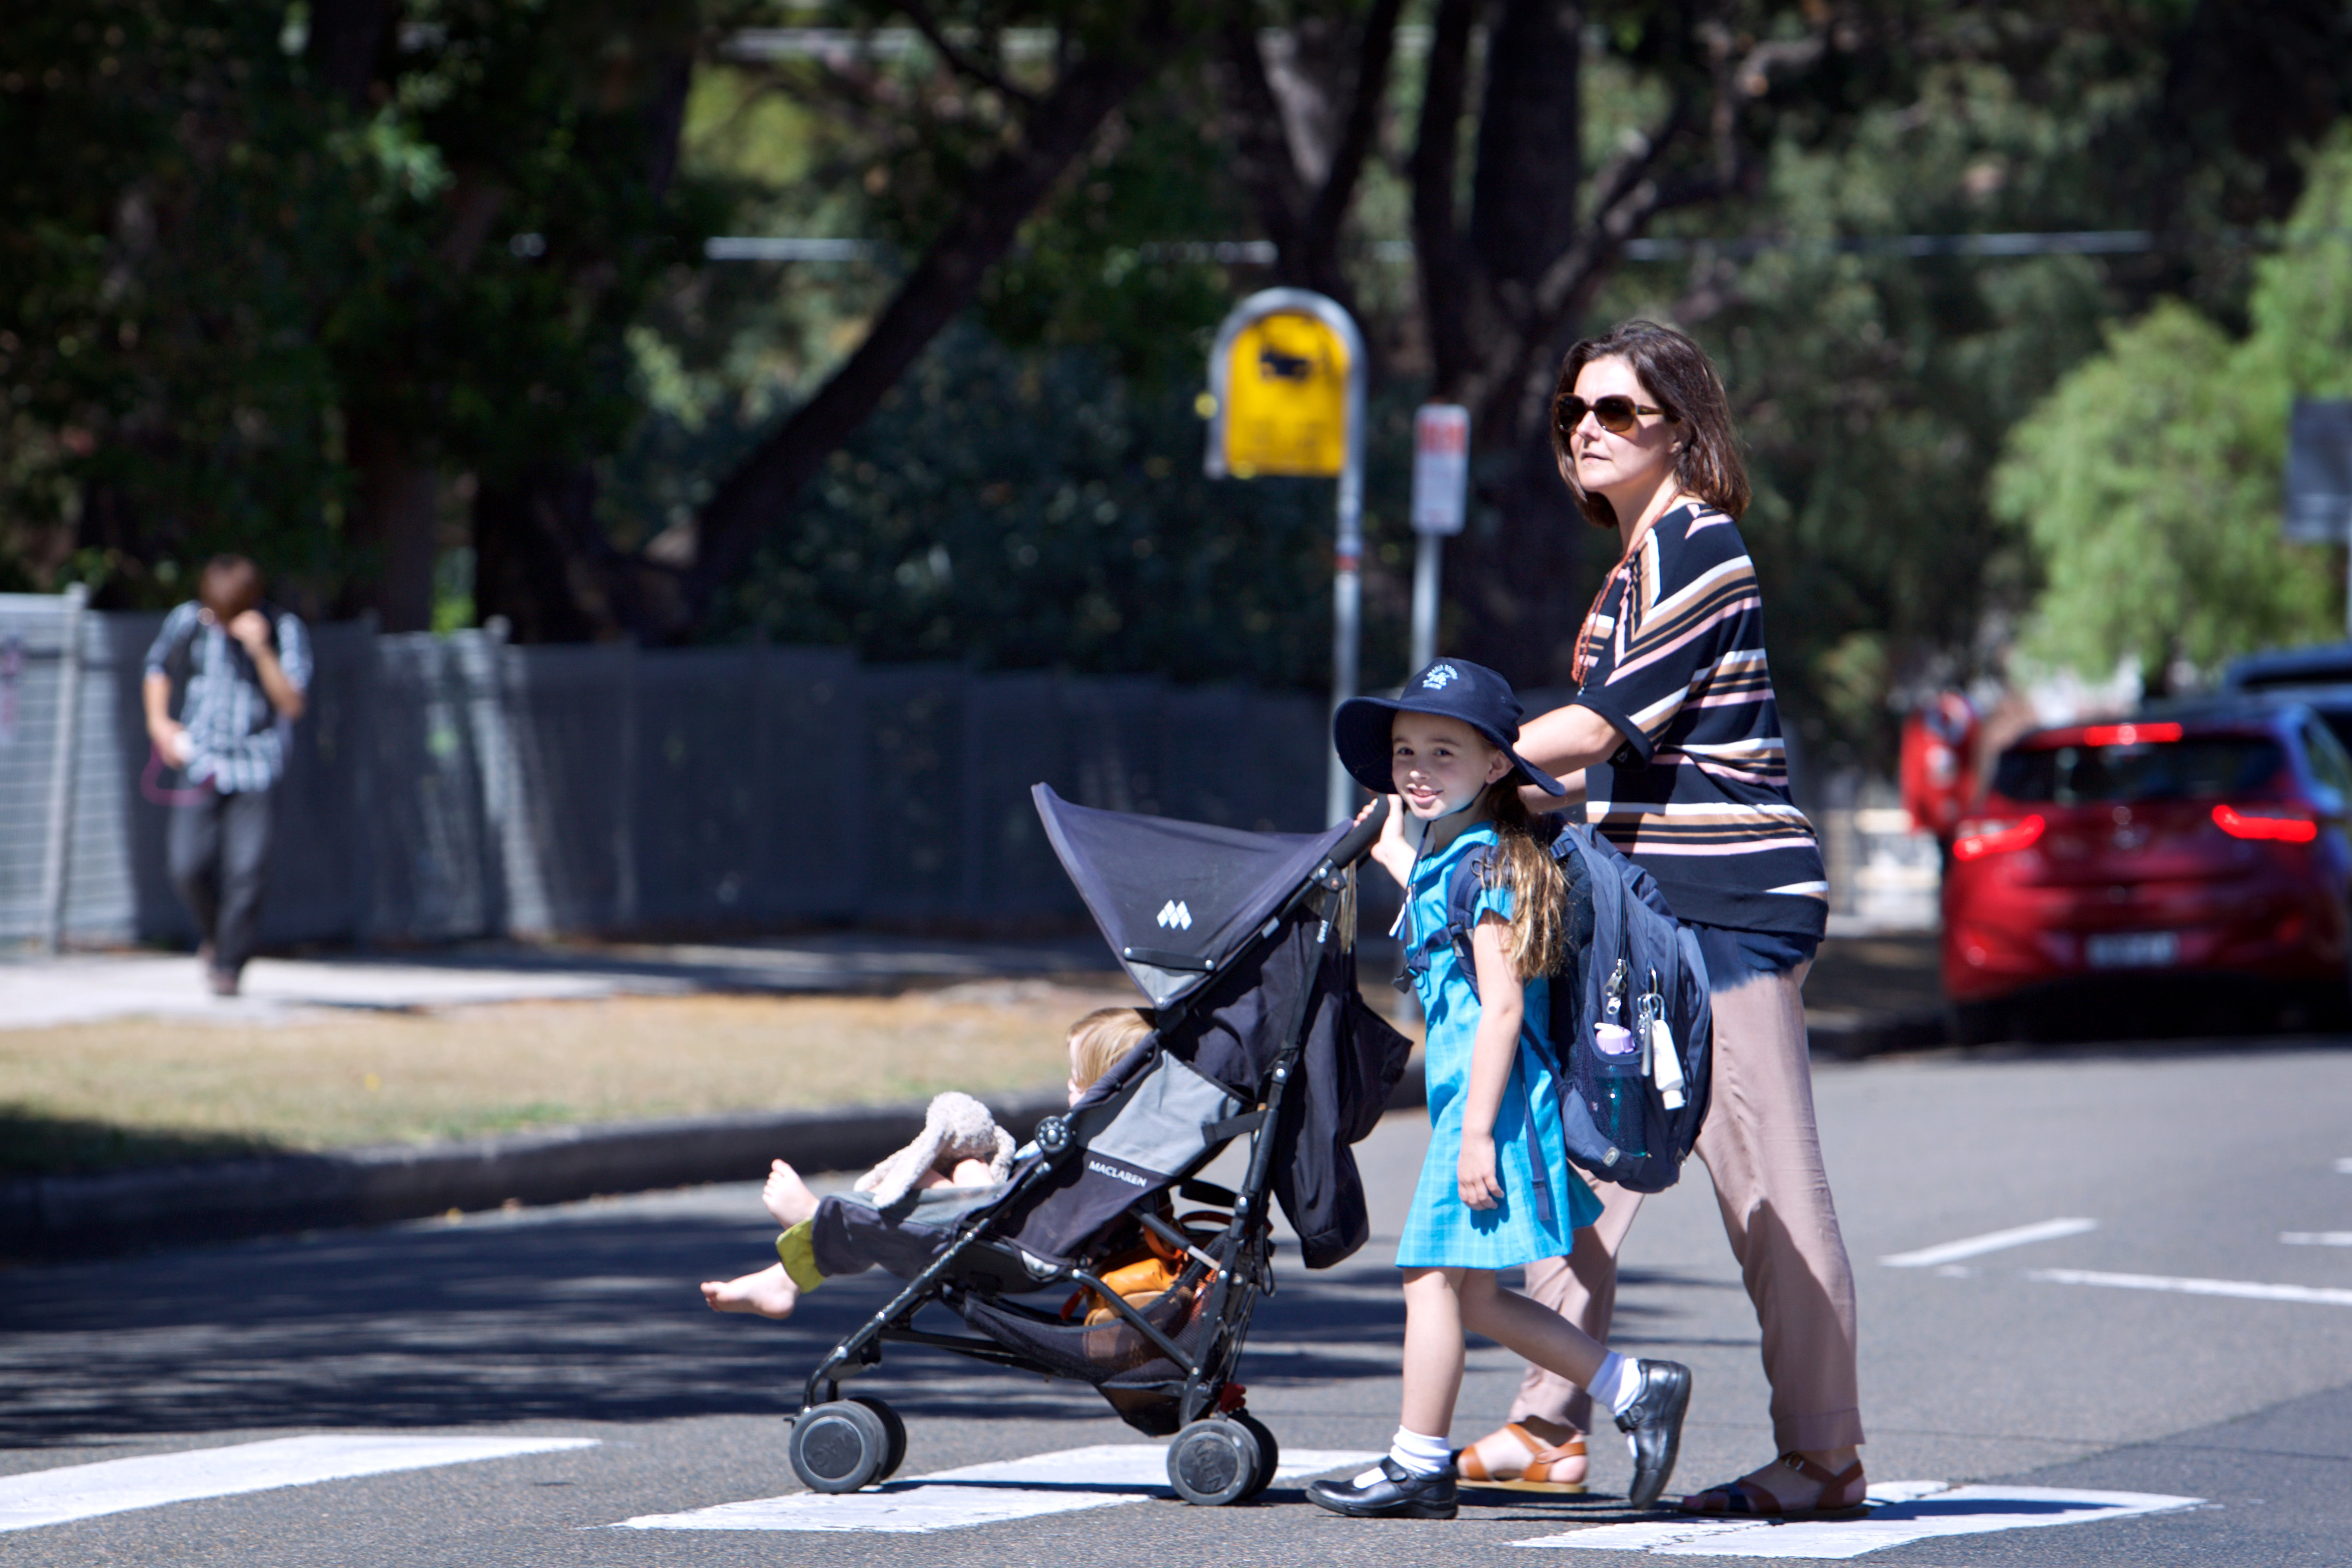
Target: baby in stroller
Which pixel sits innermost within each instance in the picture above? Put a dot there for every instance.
(953, 1138)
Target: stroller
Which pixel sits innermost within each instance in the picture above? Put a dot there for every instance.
(1244, 942)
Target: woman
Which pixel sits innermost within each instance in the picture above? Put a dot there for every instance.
(1677, 735)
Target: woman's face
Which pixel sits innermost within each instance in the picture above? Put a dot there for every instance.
(1609, 463)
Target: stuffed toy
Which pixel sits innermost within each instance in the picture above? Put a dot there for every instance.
(957, 1127)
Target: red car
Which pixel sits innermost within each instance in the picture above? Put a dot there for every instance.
(2193, 842)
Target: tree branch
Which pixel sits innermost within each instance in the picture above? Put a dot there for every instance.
(1265, 164)
(1329, 210)
(759, 496)
(1436, 152)
(959, 61)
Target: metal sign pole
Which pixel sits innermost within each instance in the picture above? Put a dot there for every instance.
(1428, 562)
(1348, 547)
(1441, 483)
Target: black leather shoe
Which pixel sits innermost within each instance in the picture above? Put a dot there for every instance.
(1655, 1423)
(1395, 1495)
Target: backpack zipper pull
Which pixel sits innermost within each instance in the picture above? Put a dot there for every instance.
(1613, 993)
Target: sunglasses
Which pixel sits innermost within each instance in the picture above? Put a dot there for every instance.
(1618, 414)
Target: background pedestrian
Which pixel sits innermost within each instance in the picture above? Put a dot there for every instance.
(244, 667)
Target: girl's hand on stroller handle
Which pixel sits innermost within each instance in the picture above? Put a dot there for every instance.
(1475, 1172)
(1360, 837)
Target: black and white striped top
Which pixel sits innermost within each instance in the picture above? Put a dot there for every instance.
(240, 743)
(1673, 656)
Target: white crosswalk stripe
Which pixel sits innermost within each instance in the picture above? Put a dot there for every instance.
(1902, 1512)
(1062, 1483)
(118, 1486)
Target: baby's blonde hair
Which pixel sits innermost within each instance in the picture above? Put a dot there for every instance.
(1099, 1040)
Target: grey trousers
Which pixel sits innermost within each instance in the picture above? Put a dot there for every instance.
(1763, 1149)
(218, 849)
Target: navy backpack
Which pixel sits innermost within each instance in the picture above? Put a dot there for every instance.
(1631, 1119)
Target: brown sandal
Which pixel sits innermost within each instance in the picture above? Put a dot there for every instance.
(1536, 1476)
(1843, 1494)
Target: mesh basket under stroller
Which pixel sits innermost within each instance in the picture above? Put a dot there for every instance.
(1244, 943)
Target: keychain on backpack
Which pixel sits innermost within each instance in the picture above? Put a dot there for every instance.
(1660, 1058)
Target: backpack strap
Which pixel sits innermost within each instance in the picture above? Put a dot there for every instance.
(1463, 886)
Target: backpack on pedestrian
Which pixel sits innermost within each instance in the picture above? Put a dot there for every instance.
(1633, 978)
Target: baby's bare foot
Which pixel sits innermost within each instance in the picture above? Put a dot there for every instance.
(771, 1293)
(787, 1196)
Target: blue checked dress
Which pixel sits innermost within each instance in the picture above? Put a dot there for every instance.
(1439, 1229)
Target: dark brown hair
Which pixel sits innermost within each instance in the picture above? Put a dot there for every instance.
(1681, 380)
(229, 586)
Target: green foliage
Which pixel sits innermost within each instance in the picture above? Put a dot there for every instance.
(1031, 510)
(2149, 480)
(214, 272)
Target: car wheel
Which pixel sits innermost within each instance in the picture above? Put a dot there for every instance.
(1982, 1022)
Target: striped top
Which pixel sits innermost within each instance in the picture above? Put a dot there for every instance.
(1673, 656)
(240, 744)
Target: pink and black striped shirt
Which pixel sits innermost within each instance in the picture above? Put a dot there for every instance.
(1673, 656)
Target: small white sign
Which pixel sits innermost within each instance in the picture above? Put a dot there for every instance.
(1441, 467)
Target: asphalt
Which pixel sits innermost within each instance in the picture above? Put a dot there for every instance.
(2193, 1158)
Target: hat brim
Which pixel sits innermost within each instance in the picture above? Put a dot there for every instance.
(1360, 730)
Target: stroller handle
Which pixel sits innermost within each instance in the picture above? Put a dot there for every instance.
(1354, 847)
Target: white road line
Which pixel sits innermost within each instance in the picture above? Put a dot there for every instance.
(2316, 1237)
(116, 1485)
(1063, 1482)
(2244, 1290)
(1901, 1513)
(1975, 1246)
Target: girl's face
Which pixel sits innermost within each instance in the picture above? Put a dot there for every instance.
(1440, 766)
(1607, 462)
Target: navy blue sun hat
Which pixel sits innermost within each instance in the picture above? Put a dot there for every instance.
(1453, 688)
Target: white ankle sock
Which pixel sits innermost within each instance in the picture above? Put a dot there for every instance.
(1415, 1455)
(1618, 1384)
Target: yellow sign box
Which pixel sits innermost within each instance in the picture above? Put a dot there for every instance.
(1285, 398)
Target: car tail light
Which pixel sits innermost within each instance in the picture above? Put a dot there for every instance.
(2130, 734)
(2283, 823)
(1978, 839)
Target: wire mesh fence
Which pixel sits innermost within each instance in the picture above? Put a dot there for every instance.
(441, 788)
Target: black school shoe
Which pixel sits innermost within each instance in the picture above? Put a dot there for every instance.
(1655, 1423)
(1396, 1495)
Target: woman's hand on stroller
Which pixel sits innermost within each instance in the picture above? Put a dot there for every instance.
(1475, 1172)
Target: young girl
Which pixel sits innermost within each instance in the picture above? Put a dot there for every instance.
(1496, 1191)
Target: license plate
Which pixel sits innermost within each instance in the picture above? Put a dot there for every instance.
(2133, 950)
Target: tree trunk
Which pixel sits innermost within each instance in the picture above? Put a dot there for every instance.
(394, 525)
(540, 559)
(1516, 572)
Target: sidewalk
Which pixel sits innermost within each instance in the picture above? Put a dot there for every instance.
(79, 988)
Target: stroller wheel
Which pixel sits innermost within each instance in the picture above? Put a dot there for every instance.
(894, 1434)
(1269, 1452)
(1213, 1462)
(839, 1447)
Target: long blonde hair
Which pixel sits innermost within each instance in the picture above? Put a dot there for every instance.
(1537, 889)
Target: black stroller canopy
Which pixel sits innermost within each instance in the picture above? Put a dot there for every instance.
(1175, 898)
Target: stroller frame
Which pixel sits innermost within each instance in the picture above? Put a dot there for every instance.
(1237, 1263)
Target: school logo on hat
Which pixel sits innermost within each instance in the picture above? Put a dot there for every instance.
(1439, 677)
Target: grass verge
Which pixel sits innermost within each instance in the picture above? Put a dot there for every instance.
(143, 1091)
